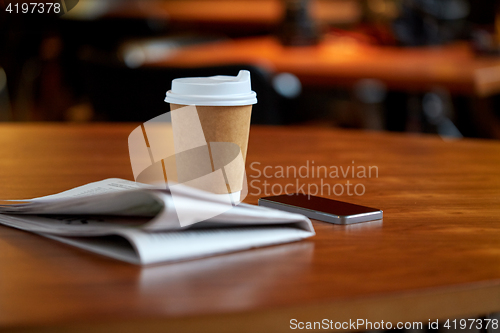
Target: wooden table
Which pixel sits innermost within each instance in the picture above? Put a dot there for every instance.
(343, 61)
(436, 254)
(240, 12)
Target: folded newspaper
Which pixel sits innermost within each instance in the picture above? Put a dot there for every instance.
(138, 223)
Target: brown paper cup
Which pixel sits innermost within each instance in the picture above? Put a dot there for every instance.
(219, 124)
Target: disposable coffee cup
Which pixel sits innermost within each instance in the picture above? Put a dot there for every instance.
(223, 105)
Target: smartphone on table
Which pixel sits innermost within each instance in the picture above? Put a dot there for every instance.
(322, 209)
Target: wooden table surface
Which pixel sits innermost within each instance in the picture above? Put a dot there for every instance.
(240, 12)
(435, 255)
(343, 61)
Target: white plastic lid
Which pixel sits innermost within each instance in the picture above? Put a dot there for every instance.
(217, 90)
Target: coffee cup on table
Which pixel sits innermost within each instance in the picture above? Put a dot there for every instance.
(211, 127)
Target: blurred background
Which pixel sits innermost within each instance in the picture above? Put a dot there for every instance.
(429, 66)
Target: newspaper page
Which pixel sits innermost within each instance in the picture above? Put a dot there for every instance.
(138, 224)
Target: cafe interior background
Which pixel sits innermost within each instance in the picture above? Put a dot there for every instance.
(421, 66)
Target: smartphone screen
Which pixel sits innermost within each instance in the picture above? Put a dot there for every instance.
(322, 209)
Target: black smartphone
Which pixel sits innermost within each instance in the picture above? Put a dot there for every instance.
(322, 209)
